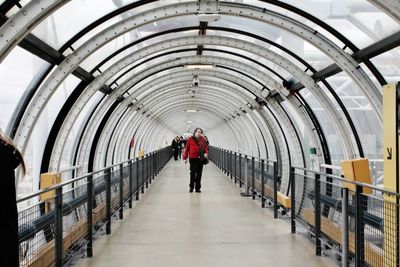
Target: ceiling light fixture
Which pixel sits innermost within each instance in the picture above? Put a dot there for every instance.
(200, 66)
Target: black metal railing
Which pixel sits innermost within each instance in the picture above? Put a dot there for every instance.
(51, 230)
(357, 222)
(258, 176)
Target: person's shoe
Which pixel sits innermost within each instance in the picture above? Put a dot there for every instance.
(190, 190)
(198, 191)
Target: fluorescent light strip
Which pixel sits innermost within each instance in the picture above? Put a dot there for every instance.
(199, 66)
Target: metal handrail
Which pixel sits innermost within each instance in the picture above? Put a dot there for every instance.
(384, 190)
(54, 187)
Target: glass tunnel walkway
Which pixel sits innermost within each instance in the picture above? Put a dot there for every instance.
(171, 227)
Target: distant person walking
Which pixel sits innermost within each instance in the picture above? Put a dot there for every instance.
(10, 158)
(175, 147)
(196, 149)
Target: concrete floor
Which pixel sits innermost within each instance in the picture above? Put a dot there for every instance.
(171, 227)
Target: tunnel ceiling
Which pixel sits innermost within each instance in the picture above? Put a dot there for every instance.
(90, 82)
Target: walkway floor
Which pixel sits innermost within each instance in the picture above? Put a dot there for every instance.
(216, 228)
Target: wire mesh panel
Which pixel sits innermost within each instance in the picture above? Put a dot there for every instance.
(305, 198)
(257, 176)
(36, 230)
(373, 217)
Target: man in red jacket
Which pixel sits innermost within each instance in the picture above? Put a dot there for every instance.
(195, 146)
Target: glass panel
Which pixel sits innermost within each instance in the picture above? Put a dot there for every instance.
(16, 72)
(76, 15)
(76, 130)
(303, 49)
(388, 64)
(311, 160)
(328, 129)
(360, 21)
(144, 31)
(37, 142)
(363, 116)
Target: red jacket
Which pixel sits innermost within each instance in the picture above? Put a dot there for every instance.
(192, 149)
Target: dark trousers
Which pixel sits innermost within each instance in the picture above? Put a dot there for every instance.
(176, 154)
(196, 169)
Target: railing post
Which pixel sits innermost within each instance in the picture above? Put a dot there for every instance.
(59, 227)
(130, 183)
(225, 165)
(275, 181)
(253, 191)
(228, 167)
(146, 171)
(262, 184)
(137, 179)
(153, 165)
(246, 180)
(231, 163)
(108, 201)
(292, 200)
(240, 170)
(317, 217)
(121, 191)
(359, 247)
(142, 174)
(234, 164)
(89, 189)
(345, 226)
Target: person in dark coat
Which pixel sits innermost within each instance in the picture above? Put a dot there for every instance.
(10, 158)
(180, 145)
(175, 147)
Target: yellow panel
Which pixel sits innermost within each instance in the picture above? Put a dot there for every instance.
(390, 162)
(46, 180)
(140, 153)
(357, 170)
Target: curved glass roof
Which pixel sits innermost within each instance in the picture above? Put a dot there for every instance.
(294, 74)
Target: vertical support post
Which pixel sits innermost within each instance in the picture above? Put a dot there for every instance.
(137, 179)
(59, 227)
(146, 169)
(142, 174)
(391, 163)
(108, 201)
(292, 200)
(89, 191)
(121, 191)
(253, 177)
(235, 166)
(240, 170)
(225, 165)
(359, 247)
(228, 163)
(317, 217)
(130, 183)
(153, 165)
(246, 178)
(262, 184)
(231, 163)
(345, 226)
(275, 178)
